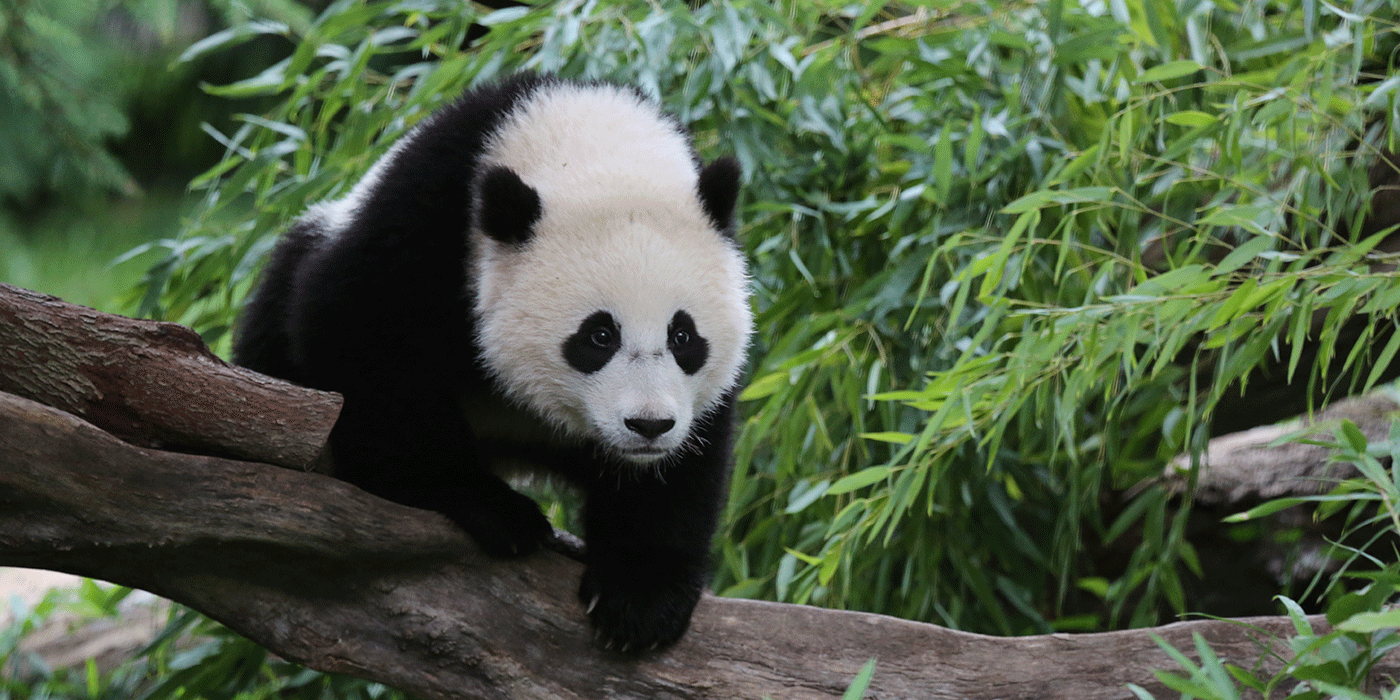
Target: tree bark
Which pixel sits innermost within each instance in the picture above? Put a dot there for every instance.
(329, 576)
(155, 384)
(1245, 468)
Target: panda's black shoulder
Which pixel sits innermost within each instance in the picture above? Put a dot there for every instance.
(487, 105)
(447, 145)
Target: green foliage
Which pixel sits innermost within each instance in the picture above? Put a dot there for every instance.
(71, 72)
(58, 100)
(1063, 359)
(24, 676)
(1369, 502)
(1336, 663)
(1365, 625)
(71, 254)
(224, 665)
(191, 657)
(856, 690)
(1004, 256)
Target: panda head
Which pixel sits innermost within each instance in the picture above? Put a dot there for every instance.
(611, 297)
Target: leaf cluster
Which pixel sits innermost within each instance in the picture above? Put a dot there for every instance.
(1364, 623)
(191, 657)
(72, 72)
(1185, 219)
(1317, 664)
(55, 99)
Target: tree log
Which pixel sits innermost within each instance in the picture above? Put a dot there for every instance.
(155, 384)
(329, 576)
(1246, 467)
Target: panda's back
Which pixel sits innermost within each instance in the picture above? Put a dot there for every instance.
(386, 276)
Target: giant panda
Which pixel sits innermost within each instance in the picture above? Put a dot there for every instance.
(541, 275)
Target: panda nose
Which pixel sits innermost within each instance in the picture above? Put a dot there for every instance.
(649, 428)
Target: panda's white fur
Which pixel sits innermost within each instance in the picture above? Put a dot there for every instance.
(622, 230)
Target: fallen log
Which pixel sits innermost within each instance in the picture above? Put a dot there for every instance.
(336, 579)
(1242, 469)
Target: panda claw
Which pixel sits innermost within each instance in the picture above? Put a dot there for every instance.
(592, 604)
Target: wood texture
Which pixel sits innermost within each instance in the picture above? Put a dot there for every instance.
(155, 384)
(1246, 468)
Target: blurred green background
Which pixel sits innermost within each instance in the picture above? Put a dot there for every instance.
(102, 128)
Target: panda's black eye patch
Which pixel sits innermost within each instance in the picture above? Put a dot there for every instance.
(685, 343)
(594, 343)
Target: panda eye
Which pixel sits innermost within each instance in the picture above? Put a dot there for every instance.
(680, 337)
(601, 337)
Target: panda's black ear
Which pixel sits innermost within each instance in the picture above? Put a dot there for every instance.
(506, 207)
(719, 189)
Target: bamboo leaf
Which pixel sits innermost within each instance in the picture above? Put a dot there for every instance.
(1367, 622)
(943, 164)
(1169, 71)
(1190, 118)
(856, 690)
(860, 479)
(1045, 198)
(1241, 255)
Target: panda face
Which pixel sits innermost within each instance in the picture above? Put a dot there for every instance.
(611, 299)
(627, 341)
(641, 375)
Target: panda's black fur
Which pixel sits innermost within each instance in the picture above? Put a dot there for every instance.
(374, 298)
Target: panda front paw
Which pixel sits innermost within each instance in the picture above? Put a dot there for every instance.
(511, 525)
(636, 613)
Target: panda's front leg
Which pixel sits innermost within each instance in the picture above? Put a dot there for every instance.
(408, 443)
(648, 544)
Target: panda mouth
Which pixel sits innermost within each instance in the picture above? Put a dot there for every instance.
(644, 454)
